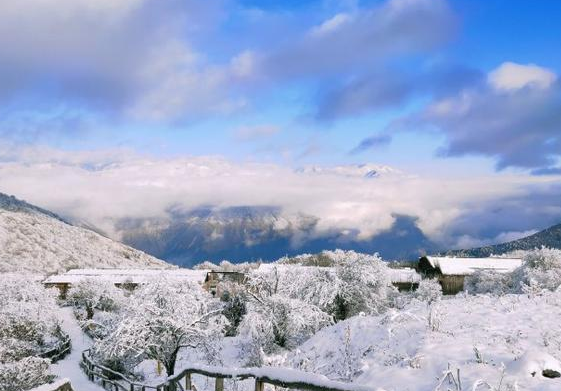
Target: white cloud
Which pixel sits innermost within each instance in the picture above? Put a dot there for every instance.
(102, 187)
(331, 25)
(510, 76)
(133, 57)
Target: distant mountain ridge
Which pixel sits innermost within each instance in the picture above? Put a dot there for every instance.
(35, 240)
(549, 237)
(252, 233)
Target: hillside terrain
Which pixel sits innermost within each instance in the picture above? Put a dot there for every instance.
(550, 237)
(35, 240)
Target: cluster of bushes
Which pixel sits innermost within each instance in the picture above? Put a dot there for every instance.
(540, 271)
(285, 303)
(29, 327)
(153, 322)
(278, 307)
(97, 305)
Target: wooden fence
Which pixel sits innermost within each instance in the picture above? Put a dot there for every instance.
(60, 351)
(281, 377)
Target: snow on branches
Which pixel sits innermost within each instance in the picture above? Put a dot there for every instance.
(90, 295)
(25, 374)
(162, 317)
(28, 327)
(28, 318)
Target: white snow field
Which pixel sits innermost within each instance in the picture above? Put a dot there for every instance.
(31, 241)
(504, 342)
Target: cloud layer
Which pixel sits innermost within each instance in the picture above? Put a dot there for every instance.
(104, 187)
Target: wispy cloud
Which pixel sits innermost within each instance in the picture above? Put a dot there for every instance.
(371, 143)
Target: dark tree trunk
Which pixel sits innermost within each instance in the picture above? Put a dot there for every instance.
(170, 362)
(89, 312)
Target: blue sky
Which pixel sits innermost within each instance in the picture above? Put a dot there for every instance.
(437, 88)
(77, 92)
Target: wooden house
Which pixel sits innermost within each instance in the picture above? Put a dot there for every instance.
(122, 278)
(451, 271)
(214, 278)
(405, 278)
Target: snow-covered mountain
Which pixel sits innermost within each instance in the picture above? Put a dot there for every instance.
(369, 170)
(252, 233)
(37, 241)
(549, 237)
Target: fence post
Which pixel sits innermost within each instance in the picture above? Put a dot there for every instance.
(219, 384)
(259, 385)
(187, 381)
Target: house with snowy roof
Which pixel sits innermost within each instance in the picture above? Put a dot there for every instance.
(215, 277)
(122, 278)
(451, 271)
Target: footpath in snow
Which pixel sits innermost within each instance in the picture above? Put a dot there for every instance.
(69, 367)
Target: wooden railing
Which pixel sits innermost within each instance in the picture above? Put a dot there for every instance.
(281, 377)
(59, 352)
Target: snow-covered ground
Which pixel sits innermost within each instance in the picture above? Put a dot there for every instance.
(69, 367)
(498, 340)
(346, 323)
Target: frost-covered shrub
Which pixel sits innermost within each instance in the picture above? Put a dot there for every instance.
(364, 286)
(90, 295)
(317, 286)
(485, 281)
(278, 321)
(28, 318)
(102, 324)
(235, 308)
(25, 374)
(429, 291)
(541, 270)
(161, 318)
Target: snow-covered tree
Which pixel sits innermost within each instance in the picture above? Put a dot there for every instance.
(161, 318)
(317, 286)
(541, 270)
(28, 318)
(93, 294)
(279, 321)
(364, 285)
(235, 306)
(429, 291)
(29, 326)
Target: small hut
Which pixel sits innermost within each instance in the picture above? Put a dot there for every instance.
(405, 279)
(451, 271)
(122, 278)
(214, 278)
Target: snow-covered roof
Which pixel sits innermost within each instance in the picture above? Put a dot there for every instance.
(120, 276)
(404, 275)
(467, 266)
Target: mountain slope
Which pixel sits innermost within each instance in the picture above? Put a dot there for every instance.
(550, 237)
(37, 241)
(254, 233)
